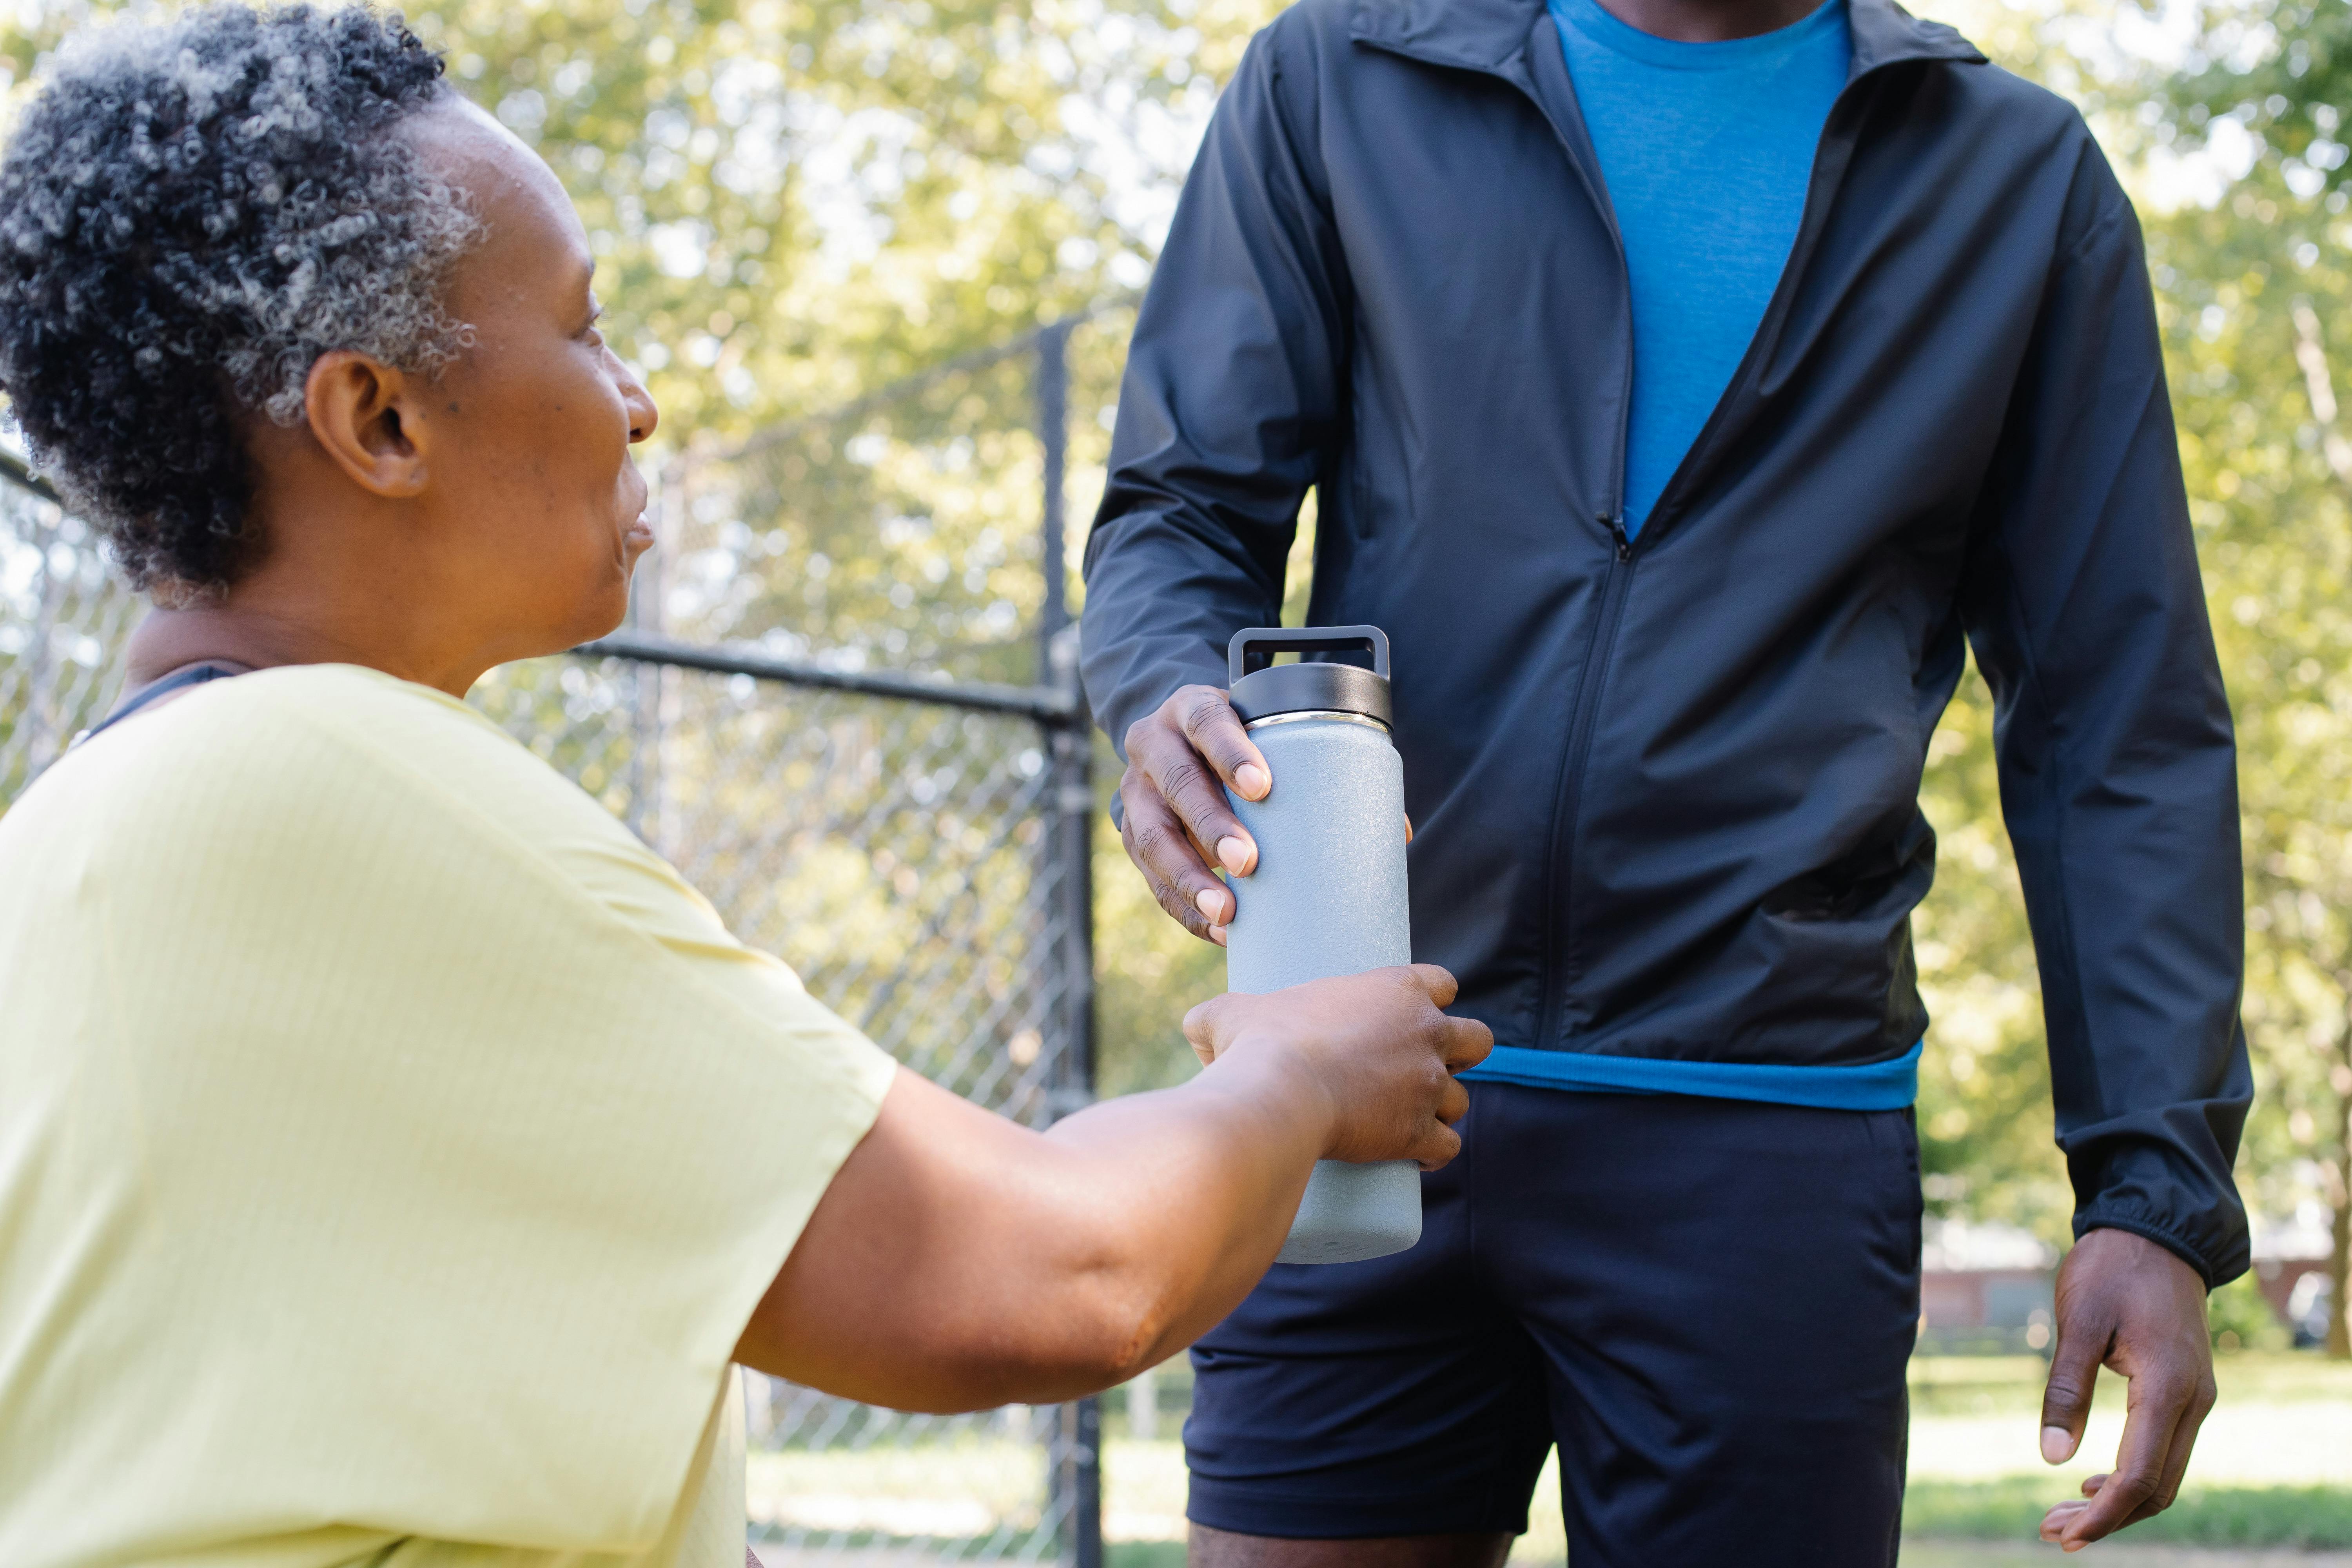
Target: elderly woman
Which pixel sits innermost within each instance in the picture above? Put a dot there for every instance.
(395, 1153)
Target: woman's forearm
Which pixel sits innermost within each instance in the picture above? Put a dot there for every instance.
(1194, 1189)
(959, 1260)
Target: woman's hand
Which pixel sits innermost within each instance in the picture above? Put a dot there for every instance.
(959, 1260)
(1375, 1044)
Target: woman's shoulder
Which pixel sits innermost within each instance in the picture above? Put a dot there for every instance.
(331, 777)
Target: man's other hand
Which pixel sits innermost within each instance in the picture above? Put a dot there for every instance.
(2130, 1305)
(1175, 820)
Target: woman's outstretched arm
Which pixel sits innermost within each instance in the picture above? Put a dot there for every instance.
(959, 1260)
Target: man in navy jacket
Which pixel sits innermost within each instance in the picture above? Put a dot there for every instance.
(1681, 382)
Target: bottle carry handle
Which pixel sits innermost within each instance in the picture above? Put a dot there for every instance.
(1253, 650)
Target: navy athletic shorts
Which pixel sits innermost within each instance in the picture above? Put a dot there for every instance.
(1707, 1304)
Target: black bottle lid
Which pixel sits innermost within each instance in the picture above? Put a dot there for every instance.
(1261, 688)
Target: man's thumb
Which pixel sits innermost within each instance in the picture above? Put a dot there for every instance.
(2066, 1401)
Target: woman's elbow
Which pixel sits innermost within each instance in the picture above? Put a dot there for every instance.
(1110, 1324)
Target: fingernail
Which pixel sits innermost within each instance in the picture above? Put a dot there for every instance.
(1252, 781)
(1234, 855)
(1210, 902)
(1217, 935)
(2057, 1444)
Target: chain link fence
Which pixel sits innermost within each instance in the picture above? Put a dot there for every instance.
(846, 707)
(63, 619)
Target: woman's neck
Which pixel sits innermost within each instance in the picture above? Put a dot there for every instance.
(171, 637)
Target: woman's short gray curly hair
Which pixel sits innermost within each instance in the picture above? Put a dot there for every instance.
(191, 212)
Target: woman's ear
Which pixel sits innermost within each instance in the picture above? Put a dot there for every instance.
(365, 414)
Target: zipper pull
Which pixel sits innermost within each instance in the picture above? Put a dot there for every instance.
(1615, 524)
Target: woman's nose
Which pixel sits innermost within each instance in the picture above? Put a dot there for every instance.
(644, 417)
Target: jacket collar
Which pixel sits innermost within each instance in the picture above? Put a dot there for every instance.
(1489, 35)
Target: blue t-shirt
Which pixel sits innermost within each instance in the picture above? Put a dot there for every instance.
(1707, 151)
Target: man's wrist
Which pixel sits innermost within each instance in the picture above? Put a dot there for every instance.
(2150, 1231)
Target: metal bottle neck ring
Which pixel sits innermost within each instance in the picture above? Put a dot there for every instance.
(1318, 716)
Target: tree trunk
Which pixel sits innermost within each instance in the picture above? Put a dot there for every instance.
(2311, 355)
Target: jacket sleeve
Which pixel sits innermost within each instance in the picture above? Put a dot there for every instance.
(2118, 770)
(1229, 403)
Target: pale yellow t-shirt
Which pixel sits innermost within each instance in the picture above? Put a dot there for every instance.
(391, 1150)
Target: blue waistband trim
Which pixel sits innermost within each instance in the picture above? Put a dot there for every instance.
(1878, 1086)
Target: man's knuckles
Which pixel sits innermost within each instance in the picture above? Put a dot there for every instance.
(1200, 708)
(1156, 846)
(1183, 781)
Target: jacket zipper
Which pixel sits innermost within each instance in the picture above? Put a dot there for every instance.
(1559, 862)
(1551, 994)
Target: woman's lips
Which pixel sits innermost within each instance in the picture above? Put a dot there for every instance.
(636, 538)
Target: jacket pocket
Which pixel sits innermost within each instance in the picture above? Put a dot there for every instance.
(1835, 943)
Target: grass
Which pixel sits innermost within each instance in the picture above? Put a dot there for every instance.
(2005, 1384)
(2011, 1509)
(2303, 1517)
(1144, 1554)
(2273, 1471)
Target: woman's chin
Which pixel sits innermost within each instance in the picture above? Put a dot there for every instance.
(608, 619)
(598, 615)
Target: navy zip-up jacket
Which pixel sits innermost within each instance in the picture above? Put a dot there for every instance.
(1665, 791)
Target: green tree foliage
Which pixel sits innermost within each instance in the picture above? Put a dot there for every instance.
(2256, 291)
(2250, 286)
(794, 202)
(2282, 69)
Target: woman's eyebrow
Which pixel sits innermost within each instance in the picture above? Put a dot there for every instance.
(582, 280)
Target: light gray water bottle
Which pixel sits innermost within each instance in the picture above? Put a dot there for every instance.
(1328, 896)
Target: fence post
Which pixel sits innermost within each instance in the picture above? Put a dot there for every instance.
(1074, 1481)
(1077, 1476)
(1053, 437)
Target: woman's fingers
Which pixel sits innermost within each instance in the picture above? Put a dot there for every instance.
(1436, 1148)
(1468, 1042)
(1437, 981)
